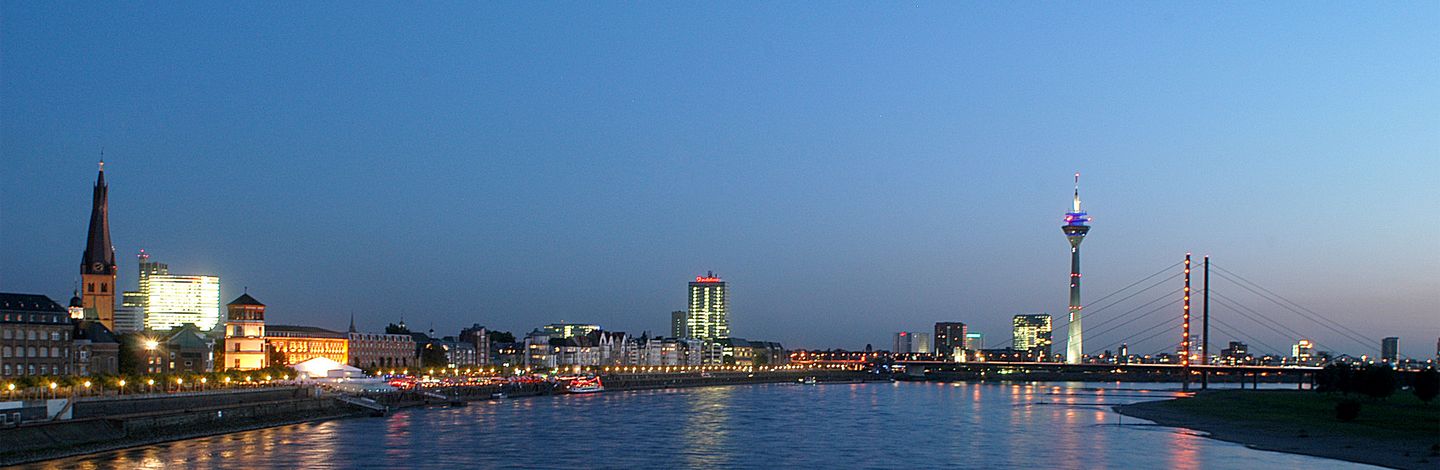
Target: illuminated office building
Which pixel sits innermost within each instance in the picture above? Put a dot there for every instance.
(569, 330)
(709, 317)
(1032, 334)
(974, 341)
(1302, 351)
(174, 300)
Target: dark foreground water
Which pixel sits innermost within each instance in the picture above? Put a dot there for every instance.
(882, 425)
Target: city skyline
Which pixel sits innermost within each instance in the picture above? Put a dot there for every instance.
(836, 245)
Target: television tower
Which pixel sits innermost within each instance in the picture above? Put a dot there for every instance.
(1075, 228)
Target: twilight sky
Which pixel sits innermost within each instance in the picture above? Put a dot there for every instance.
(851, 171)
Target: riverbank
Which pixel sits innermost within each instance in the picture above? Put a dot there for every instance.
(1400, 432)
(100, 426)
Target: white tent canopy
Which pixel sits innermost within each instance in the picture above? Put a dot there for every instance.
(321, 367)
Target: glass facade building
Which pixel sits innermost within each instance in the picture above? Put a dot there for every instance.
(175, 300)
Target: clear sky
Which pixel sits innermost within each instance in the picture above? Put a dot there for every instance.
(852, 171)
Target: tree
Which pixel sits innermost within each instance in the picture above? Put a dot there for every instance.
(132, 354)
(501, 337)
(393, 329)
(1427, 385)
(433, 356)
(276, 357)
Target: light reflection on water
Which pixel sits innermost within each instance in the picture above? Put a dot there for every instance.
(879, 425)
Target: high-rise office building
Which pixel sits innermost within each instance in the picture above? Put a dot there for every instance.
(921, 343)
(97, 266)
(709, 317)
(1390, 349)
(131, 315)
(974, 341)
(903, 343)
(949, 336)
(677, 324)
(1032, 334)
(174, 300)
(1075, 228)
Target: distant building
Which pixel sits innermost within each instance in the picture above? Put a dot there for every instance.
(677, 323)
(709, 314)
(245, 347)
(35, 336)
(376, 351)
(97, 351)
(1303, 351)
(478, 336)
(1032, 333)
(949, 337)
(296, 344)
(1390, 350)
(174, 300)
(186, 348)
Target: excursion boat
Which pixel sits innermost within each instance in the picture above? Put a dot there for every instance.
(585, 385)
(809, 381)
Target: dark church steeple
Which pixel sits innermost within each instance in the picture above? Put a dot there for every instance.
(97, 267)
(99, 252)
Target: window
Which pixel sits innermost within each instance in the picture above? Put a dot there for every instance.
(9, 334)
(8, 351)
(104, 287)
(90, 287)
(44, 353)
(30, 351)
(7, 369)
(30, 335)
(54, 336)
(54, 352)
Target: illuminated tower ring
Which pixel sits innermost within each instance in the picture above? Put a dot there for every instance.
(1075, 228)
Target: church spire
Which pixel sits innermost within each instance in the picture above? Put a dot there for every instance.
(99, 252)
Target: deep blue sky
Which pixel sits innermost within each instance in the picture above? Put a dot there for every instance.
(852, 171)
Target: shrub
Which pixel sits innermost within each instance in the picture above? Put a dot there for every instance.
(1427, 385)
(1378, 381)
(1347, 410)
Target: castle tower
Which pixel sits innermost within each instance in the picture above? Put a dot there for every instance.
(245, 334)
(1075, 228)
(97, 267)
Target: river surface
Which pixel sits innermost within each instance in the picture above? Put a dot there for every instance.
(878, 425)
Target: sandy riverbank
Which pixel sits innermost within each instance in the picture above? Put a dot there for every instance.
(1265, 420)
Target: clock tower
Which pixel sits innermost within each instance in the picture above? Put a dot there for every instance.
(97, 268)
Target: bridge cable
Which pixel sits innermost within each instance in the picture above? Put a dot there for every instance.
(1366, 343)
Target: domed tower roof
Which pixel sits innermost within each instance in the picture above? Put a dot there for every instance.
(75, 300)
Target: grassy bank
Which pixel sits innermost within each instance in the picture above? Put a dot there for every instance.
(1400, 432)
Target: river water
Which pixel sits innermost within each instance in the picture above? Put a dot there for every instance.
(879, 425)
